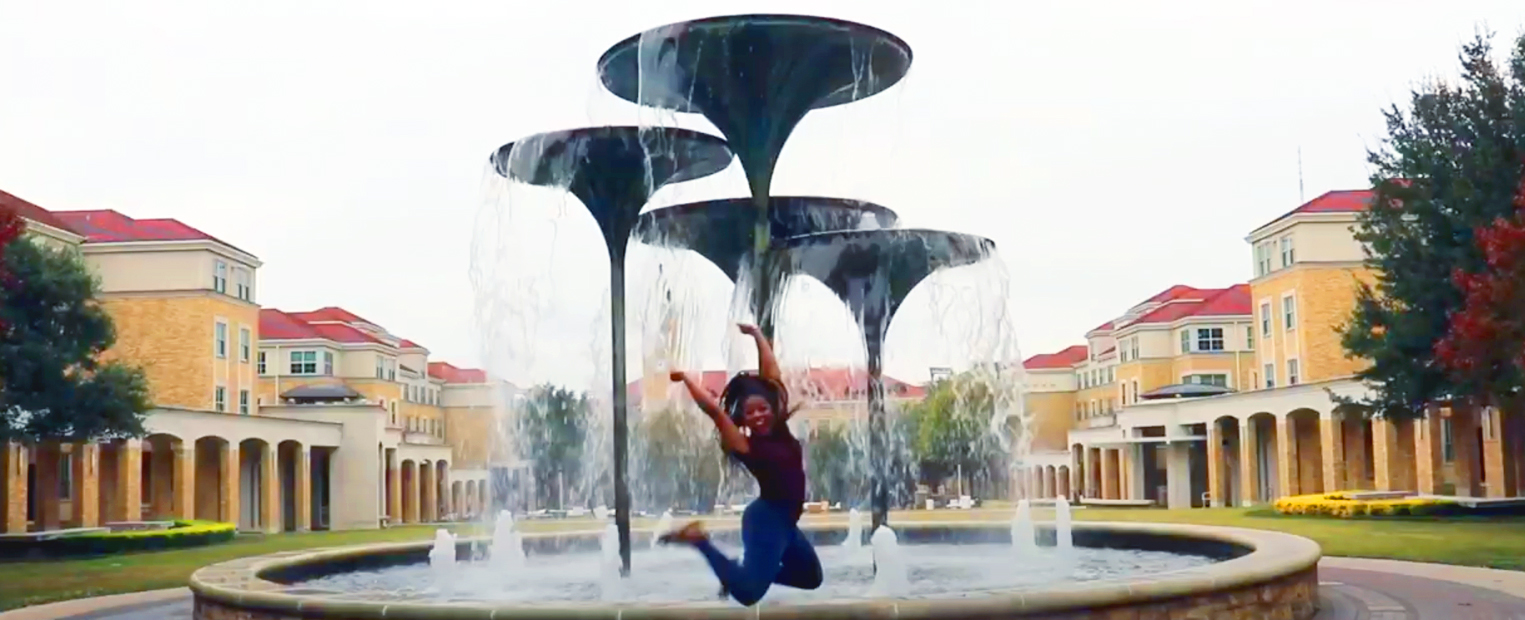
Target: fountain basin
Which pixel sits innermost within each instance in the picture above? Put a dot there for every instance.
(1257, 574)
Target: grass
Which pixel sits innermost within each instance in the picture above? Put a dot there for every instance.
(1494, 543)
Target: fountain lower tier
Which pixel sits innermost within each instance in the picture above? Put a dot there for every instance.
(754, 76)
(963, 569)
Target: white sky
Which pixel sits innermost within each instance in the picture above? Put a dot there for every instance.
(1111, 149)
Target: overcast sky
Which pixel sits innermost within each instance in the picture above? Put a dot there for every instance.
(1111, 149)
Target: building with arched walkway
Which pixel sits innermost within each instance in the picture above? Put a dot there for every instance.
(271, 420)
(1230, 396)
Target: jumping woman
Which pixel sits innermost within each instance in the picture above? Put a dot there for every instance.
(775, 551)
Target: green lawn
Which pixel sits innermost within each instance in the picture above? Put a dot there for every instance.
(1497, 543)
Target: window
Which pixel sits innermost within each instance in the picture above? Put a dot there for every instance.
(1289, 312)
(261, 367)
(1249, 338)
(1219, 380)
(1447, 440)
(1287, 254)
(243, 402)
(328, 363)
(65, 476)
(220, 277)
(222, 340)
(1186, 341)
(1210, 339)
(391, 370)
(304, 362)
(381, 367)
(1262, 259)
(242, 286)
(1292, 373)
(1265, 319)
(1133, 342)
(220, 398)
(1270, 371)
(245, 343)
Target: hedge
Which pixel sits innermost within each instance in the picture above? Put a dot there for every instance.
(180, 535)
(1347, 504)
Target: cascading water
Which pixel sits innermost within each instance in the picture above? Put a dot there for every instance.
(1064, 533)
(442, 561)
(891, 578)
(664, 525)
(854, 529)
(1024, 535)
(507, 550)
(609, 563)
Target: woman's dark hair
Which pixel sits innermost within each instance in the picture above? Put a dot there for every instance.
(746, 385)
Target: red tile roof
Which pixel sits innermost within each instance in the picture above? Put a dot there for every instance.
(1103, 327)
(409, 344)
(1231, 301)
(330, 314)
(33, 212)
(1337, 201)
(277, 325)
(107, 226)
(1063, 359)
(451, 373)
(816, 384)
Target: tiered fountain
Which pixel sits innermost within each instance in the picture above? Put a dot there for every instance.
(755, 77)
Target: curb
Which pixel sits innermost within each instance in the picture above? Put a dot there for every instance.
(83, 606)
(1507, 582)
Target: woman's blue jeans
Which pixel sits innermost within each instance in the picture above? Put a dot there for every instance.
(775, 551)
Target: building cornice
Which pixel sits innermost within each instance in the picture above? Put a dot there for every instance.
(1279, 226)
(190, 245)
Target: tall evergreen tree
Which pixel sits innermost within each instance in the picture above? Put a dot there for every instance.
(1448, 166)
(53, 385)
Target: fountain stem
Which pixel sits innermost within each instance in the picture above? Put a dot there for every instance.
(878, 433)
(621, 423)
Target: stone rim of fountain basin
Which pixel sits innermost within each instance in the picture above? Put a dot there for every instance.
(1273, 559)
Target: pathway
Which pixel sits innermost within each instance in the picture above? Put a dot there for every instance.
(1351, 589)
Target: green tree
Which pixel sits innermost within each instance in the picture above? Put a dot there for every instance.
(950, 432)
(1449, 165)
(678, 460)
(553, 424)
(53, 384)
(828, 466)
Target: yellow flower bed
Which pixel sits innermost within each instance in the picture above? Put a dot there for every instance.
(1347, 504)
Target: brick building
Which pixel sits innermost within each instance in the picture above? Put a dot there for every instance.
(1222, 397)
(275, 421)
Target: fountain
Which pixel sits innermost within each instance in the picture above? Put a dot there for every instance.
(1024, 536)
(854, 529)
(755, 77)
(507, 544)
(442, 561)
(1064, 531)
(664, 525)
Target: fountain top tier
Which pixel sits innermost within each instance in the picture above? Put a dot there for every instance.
(612, 170)
(723, 230)
(754, 76)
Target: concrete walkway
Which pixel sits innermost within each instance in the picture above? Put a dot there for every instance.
(1350, 589)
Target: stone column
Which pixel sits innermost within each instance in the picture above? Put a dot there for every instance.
(1497, 468)
(446, 502)
(1332, 442)
(1427, 461)
(183, 481)
(1109, 477)
(87, 485)
(1286, 458)
(227, 484)
(1178, 475)
(1469, 475)
(302, 472)
(471, 495)
(128, 485)
(411, 506)
(1354, 429)
(426, 503)
(1249, 463)
(13, 465)
(1217, 480)
(272, 509)
(1385, 455)
(1127, 471)
(394, 490)
(1093, 473)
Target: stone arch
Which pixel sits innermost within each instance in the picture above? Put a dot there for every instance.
(294, 478)
(409, 471)
(256, 485)
(457, 499)
(1077, 470)
(1260, 432)
(1050, 484)
(168, 477)
(1063, 479)
(216, 494)
(444, 502)
(1353, 465)
(1305, 452)
(1223, 453)
(483, 499)
(427, 495)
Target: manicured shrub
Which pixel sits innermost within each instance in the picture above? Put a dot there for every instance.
(1346, 505)
(178, 536)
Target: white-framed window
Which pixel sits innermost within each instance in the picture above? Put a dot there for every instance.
(220, 398)
(1209, 338)
(391, 370)
(1218, 379)
(1136, 395)
(328, 363)
(1249, 338)
(245, 344)
(1270, 375)
(1262, 259)
(1293, 373)
(381, 367)
(1133, 343)
(1265, 319)
(243, 284)
(243, 402)
(221, 346)
(261, 365)
(1289, 312)
(1186, 341)
(220, 277)
(304, 362)
(1288, 254)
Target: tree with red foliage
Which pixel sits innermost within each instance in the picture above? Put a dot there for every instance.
(1484, 346)
(11, 227)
